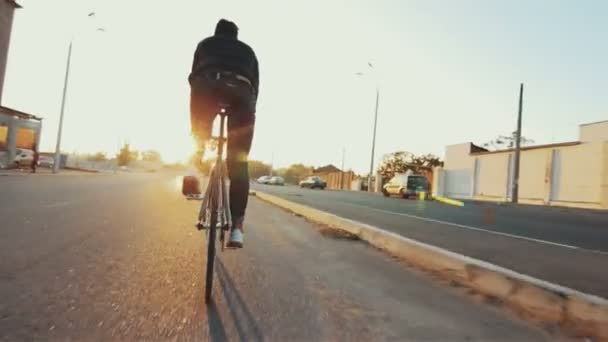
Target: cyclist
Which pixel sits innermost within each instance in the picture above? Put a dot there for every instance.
(225, 71)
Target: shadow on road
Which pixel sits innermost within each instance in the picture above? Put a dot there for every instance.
(216, 327)
(244, 321)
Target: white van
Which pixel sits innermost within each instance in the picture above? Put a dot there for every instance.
(406, 185)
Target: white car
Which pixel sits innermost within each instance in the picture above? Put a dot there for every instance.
(264, 179)
(276, 180)
(46, 161)
(3, 157)
(23, 157)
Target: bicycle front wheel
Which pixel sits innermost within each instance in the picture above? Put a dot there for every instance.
(211, 253)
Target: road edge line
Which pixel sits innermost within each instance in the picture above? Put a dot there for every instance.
(579, 313)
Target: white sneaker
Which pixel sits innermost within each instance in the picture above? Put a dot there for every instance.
(236, 238)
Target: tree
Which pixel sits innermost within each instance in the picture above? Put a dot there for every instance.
(126, 156)
(427, 160)
(295, 173)
(97, 157)
(258, 169)
(175, 167)
(401, 161)
(151, 156)
(506, 142)
(396, 162)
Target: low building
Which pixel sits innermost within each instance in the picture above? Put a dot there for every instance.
(335, 178)
(571, 174)
(323, 170)
(17, 130)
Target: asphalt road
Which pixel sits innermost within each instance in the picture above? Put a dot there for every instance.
(116, 257)
(564, 246)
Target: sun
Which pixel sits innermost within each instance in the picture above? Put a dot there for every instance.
(177, 153)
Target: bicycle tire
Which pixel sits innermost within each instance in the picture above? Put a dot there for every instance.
(215, 189)
(211, 251)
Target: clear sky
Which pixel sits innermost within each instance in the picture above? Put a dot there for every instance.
(448, 72)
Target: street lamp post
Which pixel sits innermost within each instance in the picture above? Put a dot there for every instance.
(371, 163)
(60, 129)
(57, 161)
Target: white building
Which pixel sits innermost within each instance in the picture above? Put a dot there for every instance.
(567, 174)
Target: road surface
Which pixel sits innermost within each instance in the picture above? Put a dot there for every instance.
(116, 257)
(564, 246)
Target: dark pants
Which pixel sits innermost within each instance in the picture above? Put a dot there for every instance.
(204, 98)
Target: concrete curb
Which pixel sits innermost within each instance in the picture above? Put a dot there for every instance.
(449, 201)
(578, 313)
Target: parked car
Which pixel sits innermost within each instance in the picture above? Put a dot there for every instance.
(406, 185)
(23, 157)
(46, 161)
(313, 182)
(264, 179)
(276, 180)
(3, 157)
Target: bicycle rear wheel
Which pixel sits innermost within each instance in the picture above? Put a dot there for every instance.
(211, 251)
(215, 192)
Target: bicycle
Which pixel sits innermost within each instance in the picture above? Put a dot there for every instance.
(215, 209)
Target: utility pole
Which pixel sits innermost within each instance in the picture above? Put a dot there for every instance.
(271, 164)
(371, 166)
(342, 168)
(515, 193)
(57, 162)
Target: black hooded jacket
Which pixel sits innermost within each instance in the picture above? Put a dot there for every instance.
(229, 54)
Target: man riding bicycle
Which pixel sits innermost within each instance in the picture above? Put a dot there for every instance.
(225, 73)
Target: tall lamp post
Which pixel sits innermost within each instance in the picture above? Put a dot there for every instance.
(57, 161)
(371, 163)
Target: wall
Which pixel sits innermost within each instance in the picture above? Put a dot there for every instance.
(338, 180)
(81, 162)
(604, 182)
(580, 173)
(457, 183)
(457, 157)
(3, 136)
(567, 175)
(18, 133)
(594, 132)
(491, 178)
(6, 123)
(457, 174)
(534, 174)
(6, 22)
(26, 138)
